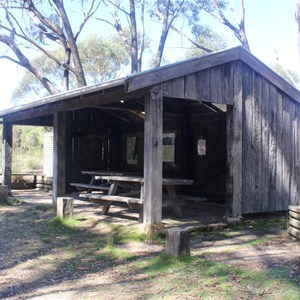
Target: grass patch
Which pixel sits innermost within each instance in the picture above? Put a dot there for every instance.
(118, 254)
(203, 279)
(68, 225)
(164, 263)
(264, 224)
(121, 235)
(44, 208)
(11, 202)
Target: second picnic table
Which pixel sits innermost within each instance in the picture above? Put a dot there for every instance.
(116, 179)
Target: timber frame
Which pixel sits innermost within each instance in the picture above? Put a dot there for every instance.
(231, 89)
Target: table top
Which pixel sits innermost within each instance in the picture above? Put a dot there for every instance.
(139, 179)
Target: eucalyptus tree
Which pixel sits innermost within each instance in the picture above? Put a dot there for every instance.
(37, 26)
(102, 58)
(236, 22)
(134, 16)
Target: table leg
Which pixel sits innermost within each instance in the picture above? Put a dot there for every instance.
(174, 200)
(112, 191)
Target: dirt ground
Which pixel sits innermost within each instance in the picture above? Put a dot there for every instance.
(33, 267)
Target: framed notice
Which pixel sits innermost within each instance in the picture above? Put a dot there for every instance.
(201, 147)
(132, 156)
(169, 147)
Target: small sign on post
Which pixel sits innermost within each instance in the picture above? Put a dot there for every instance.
(201, 147)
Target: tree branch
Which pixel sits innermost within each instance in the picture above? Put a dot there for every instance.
(40, 48)
(88, 15)
(24, 62)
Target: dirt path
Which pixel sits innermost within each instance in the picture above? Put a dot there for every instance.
(34, 264)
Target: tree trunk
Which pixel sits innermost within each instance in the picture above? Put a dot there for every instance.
(133, 33)
(298, 23)
(79, 74)
(163, 37)
(24, 62)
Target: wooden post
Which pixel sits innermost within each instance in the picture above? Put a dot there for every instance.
(3, 193)
(153, 157)
(7, 155)
(59, 156)
(178, 242)
(64, 207)
(234, 149)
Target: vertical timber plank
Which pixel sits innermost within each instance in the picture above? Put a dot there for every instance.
(287, 153)
(203, 85)
(265, 145)
(234, 148)
(257, 143)
(272, 149)
(297, 155)
(7, 134)
(279, 155)
(293, 184)
(59, 156)
(178, 87)
(216, 85)
(190, 87)
(248, 101)
(227, 79)
(153, 157)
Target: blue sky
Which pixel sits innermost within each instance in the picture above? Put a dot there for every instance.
(270, 26)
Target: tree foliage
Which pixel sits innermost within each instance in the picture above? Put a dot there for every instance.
(53, 27)
(39, 25)
(134, 16)
(209, 39)
(236, 22)
(289, 75)
(102, 59)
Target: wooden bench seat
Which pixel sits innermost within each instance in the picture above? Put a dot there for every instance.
(107, 200)
(99, 199)
(88, 186)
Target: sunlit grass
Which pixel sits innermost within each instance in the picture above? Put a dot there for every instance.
(199, 277)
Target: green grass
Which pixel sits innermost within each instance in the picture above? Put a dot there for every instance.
(68, 225)
(199, 277)
(44, 208)
(11, 202)
(121, 234)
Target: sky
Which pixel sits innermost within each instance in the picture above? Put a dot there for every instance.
(270, 26)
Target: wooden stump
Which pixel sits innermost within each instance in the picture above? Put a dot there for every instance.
(294, 221)
(64, 207)
(178, 242)
(3, 192)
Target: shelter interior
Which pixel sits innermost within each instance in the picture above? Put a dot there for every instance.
(111, 137)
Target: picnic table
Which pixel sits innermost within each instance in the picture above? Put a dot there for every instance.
(135, 185)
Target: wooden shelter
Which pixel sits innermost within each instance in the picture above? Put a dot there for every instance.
(227, 121)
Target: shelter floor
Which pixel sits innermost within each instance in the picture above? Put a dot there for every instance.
(195, 214)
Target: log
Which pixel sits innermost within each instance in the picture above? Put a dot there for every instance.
(294, 215)
(294, 232)
(64, 207)
(3, 192)
(177, 242)
(294, 221)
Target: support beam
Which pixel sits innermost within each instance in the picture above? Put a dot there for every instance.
(153, 157)
(7, 155)
(59, 156)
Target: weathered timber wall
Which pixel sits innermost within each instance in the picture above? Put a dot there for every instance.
(270, 146)
(263, 131)
(211, 85)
